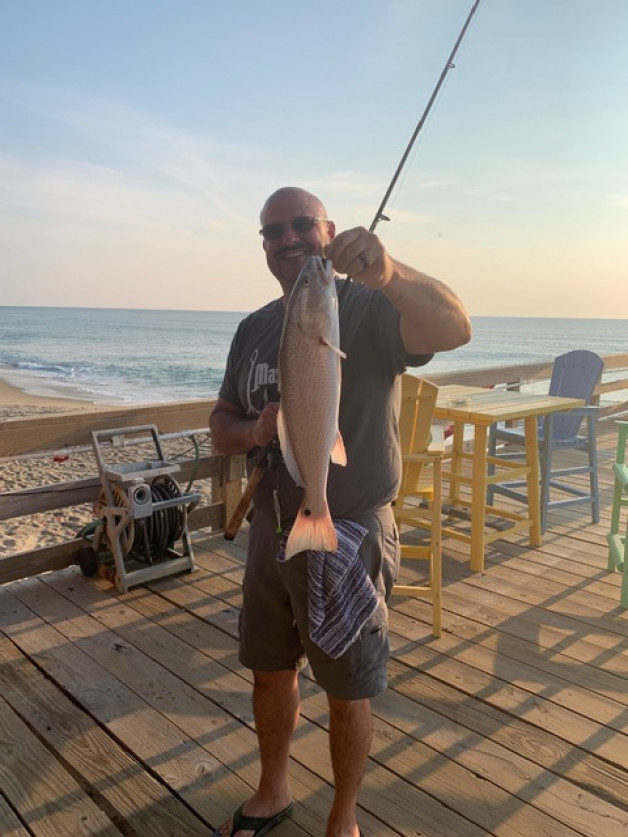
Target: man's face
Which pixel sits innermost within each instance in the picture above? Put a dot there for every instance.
(287, 252)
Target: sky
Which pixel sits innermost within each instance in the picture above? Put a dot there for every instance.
(139, 139)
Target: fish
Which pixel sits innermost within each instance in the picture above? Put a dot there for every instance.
(309, 401)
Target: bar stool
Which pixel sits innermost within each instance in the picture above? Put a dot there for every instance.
(618, 543)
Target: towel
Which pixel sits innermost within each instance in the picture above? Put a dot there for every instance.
(341, 595)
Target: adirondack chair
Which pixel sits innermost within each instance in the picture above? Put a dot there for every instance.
(418, 504)
(574, 374)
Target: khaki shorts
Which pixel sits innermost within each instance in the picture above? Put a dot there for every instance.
(273, 620)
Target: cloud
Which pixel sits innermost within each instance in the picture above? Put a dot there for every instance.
(618, 200)
(139, 147)
(476, 193)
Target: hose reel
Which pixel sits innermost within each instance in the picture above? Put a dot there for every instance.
(141, 515)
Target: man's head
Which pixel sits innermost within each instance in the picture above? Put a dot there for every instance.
(294, 226)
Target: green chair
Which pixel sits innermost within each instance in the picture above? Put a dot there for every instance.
(618, 543)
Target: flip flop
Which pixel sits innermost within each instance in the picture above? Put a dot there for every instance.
(258, 825)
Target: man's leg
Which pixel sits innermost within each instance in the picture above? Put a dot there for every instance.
(276, 708)
(350, 733)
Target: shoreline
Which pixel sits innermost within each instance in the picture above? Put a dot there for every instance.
(16, 402)
(24, 533)
(12, 395)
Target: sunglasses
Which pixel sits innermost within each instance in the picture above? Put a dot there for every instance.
(300, 224)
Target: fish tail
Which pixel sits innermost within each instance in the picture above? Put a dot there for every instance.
(310, 531)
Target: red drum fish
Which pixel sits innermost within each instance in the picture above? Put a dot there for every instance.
(307, 422)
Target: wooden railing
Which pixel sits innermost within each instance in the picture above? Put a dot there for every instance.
(614, 380)
(55, 433)
(70, 433)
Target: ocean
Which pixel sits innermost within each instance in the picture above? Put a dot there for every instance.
(132, 356)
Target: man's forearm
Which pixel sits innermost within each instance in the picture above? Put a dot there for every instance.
(432, 317)
(232, 434)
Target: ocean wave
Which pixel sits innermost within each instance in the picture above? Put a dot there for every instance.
(132, 357)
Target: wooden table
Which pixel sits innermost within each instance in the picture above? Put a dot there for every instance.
(481, 408)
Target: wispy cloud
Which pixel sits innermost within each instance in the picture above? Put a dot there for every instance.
(94, 195)
(476, 193)
(618, 200)
(139, 148)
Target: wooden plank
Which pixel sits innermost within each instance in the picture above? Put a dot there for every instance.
(38, 561)
(104, 768)
(483, 802)
(194, 668)
(616, 410)
(553, 688)
(514, 373)
(61, 495)
(573, 794)
(57, 557)
(491, 375)
(10, 824)
(588, 770)
(612, 386)
(524, 782)
(576, 609)
(540, 651)
(61, 430)
(115, 691)
(498, 722)
(48, 799)
(559, 758)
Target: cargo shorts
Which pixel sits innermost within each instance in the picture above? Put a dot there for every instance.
(274, 616)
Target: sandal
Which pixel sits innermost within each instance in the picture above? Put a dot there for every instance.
(258, 825)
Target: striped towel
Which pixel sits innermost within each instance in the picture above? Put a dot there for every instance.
(341, 595)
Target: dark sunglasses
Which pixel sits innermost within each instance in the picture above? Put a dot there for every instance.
(301, 224)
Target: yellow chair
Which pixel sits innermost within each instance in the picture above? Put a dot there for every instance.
(419, 502)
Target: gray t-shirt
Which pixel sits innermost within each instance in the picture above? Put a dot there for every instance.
(369, 400)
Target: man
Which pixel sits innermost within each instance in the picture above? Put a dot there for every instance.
(390, 316)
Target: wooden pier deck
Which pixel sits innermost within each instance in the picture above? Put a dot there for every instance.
(129, 714)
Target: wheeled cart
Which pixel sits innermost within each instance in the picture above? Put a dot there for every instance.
(141, 531)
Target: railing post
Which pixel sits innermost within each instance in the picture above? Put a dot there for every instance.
(228, 487)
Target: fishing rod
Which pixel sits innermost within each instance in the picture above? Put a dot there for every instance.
(449, 65)
(268, 454)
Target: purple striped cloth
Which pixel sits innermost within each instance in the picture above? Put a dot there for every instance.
(341, 595)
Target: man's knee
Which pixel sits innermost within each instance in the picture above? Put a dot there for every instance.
(275, 680)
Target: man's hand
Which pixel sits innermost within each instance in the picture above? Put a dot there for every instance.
(362, 256)
(265, 428)
(432, 317)
(233, 432)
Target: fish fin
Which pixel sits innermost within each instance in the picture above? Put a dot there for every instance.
(286, 449)
(336, 349)
(338, 452)
(309, 531)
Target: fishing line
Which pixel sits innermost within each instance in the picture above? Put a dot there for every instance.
(449, 65)
(403, 177)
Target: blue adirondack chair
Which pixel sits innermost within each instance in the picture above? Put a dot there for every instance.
(574, 374)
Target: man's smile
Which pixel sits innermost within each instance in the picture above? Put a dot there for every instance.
(292, 253)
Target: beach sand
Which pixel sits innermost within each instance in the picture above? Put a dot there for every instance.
(15, 402)
(25, 533)
(22, 534)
